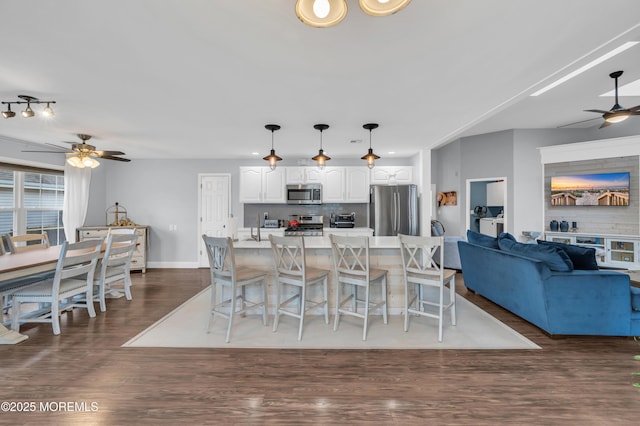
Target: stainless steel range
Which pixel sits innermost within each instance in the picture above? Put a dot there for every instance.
(304, 225)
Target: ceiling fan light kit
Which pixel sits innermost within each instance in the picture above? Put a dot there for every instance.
(28, 112)
(327, 13)
(83, 155)
(617, 113)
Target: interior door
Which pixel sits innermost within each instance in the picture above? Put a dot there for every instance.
(215, 205)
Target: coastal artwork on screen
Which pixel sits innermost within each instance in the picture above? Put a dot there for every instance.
(597, 189)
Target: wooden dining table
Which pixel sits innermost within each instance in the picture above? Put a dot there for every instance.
(21, 265)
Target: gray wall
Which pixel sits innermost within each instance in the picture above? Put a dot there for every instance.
(515, 155)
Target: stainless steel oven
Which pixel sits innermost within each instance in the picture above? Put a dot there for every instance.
(304, 194)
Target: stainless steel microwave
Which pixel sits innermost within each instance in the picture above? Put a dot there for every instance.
(304, 194)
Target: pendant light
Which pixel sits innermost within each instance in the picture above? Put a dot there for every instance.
(370, 156)
(382, 7)
(321, 13)
(272, 158)
(321, 158)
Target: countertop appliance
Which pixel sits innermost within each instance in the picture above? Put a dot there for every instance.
(310, 193)
(271, 223)
(393, 210)
(491, 226)
(345, 220)
(307, 226)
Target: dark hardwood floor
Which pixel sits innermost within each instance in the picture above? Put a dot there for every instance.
(572, 380)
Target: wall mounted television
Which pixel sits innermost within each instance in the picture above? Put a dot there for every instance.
(596, 189)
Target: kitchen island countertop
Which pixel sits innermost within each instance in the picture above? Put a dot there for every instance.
(322, 243)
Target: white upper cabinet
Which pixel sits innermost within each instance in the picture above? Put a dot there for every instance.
(357, 184)
(303, 175)
(262, 185)
(333, 188)
(392, 175)
(495, 193)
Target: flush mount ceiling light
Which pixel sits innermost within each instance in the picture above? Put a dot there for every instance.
(321, 158)
(327, 13)
(272, 158)
(321, 13)
(370, 156)
(28, 111)
(382, 7)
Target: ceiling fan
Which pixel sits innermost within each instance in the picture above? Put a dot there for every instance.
(617, 113)
(81, 154)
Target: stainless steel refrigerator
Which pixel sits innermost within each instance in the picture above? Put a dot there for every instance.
(393, 210)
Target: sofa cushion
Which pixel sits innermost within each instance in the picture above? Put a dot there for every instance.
(555, 258)
(507, 235)
(482, 240)
(582, 257)
(635, 298)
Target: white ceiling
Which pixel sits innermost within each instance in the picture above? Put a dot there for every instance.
(201, 78)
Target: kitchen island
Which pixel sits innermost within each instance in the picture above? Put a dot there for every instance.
(384, 254)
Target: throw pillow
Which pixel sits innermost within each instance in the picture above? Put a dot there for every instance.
(482, 240)
(555, 258)
(507, 235)
(582, 257)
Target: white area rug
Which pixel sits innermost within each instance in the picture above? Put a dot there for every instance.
(186, 326)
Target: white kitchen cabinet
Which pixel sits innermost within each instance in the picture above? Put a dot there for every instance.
(381, 175)
(296, 175)
(139, 257)
(357, 184)
(333, 188)
(345, 185)
(262, 185)
(495, 193)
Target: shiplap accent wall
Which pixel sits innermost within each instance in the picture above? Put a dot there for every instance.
(600, 219)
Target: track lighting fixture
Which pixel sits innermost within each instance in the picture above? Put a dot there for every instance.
(327, 13)
(321, 158)
(272, 158)
(370, 156)
(28, 111)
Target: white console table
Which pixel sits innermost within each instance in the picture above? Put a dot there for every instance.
(614, 251)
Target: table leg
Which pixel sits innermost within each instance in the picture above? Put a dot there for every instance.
(10, 337)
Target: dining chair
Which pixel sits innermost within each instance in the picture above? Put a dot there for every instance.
(9, 286)
(73, 276)
(422, 264)
(227, 275)
(26, 242)
(352, 271)
(113, 275)
(292, 271)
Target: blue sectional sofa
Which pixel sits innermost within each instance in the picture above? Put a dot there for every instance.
(550, 294)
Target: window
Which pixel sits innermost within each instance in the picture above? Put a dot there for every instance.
(31, 202)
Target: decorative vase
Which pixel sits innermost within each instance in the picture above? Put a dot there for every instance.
(564, 226)
(553, 225)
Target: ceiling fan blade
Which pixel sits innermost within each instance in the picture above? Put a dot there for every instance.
(103, 153)
(578, 122)
(52, 152)
(599, 111)
(635, 108)
(110, 157)
(605, 124)
(61, 148)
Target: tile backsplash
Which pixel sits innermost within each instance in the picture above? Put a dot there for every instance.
(282, 211)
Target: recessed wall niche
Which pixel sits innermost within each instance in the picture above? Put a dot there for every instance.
(600, 219)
